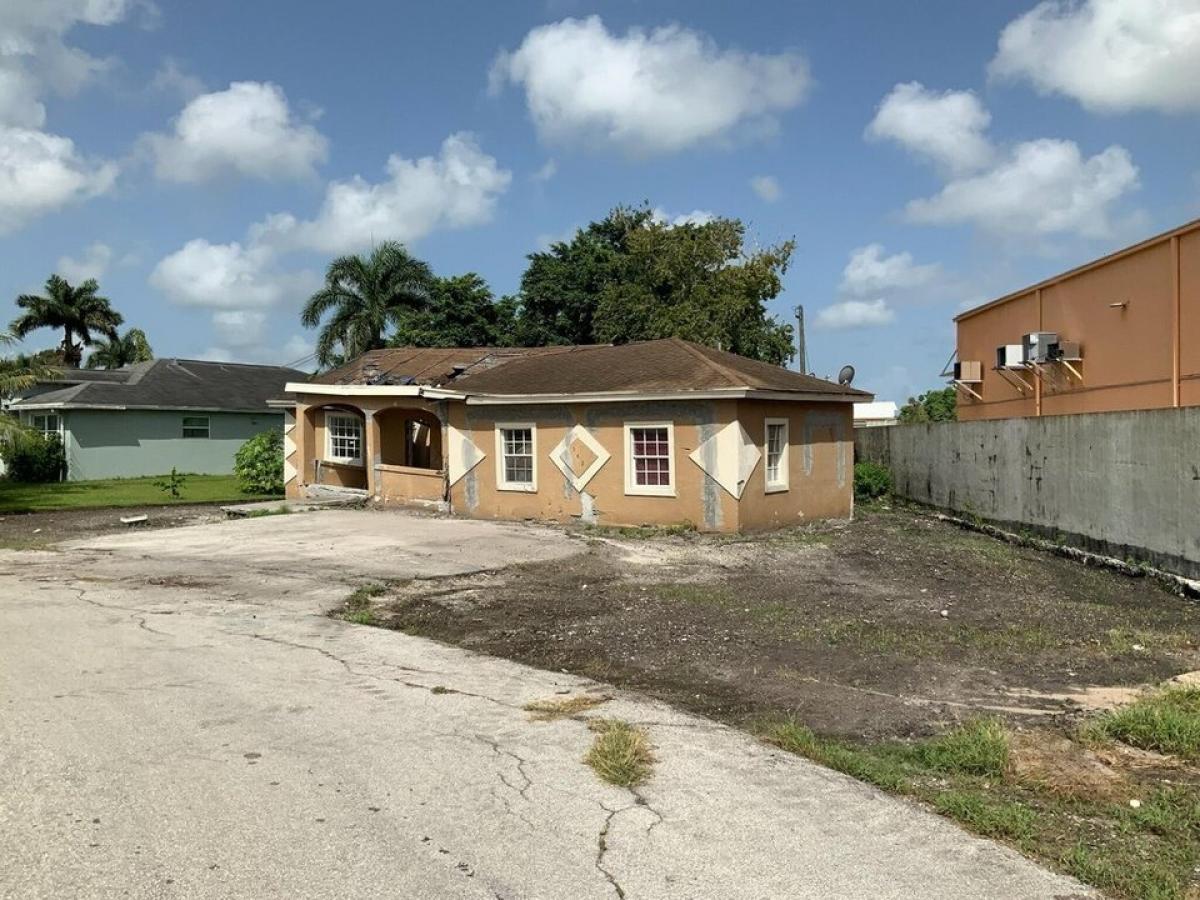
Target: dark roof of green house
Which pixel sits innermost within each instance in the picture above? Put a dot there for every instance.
(163, 384)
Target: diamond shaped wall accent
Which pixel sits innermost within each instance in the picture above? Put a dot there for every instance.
(728, 458)
(572, 454)
(463, 454)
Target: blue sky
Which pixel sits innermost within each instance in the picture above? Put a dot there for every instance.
(205, 160)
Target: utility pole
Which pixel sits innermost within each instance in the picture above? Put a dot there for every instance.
(801, 351)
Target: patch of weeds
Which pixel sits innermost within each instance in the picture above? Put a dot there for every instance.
(1125, 641)
(440, 689)
(976, 748)
(621, 753)
(868, 765)
(357, 608)
(987, 816)
(269, 511)
(1126, 872)
(643, 532)
(1167, 722)
(562, 707)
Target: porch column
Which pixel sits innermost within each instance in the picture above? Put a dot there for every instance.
(371, 453)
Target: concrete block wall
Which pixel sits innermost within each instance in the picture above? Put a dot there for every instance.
(1126, 484)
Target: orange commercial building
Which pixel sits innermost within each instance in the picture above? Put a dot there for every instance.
(1120, 333)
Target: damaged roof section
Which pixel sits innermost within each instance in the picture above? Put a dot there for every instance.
(667, 366)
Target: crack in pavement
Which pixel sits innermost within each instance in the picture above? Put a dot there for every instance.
(602, 849)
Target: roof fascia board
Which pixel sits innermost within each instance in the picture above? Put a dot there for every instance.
(119, 407)
(637, 397)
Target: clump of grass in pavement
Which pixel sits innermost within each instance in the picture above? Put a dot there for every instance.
(1166, 722)
(621, 753)
(562, 707)
(357, 608)
(866, 764)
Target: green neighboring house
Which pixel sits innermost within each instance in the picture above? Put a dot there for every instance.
(148, 418)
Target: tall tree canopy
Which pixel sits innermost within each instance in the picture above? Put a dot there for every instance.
(461, 313)
(364, 297)
(80, 312)
(931, 406)
(632, 277)
(123, 350)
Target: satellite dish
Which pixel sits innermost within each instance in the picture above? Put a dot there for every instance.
(846, 375)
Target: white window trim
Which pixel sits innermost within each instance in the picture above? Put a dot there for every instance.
(362, 437)
(32, 423)
(184, 426)
(502, 483)
(632, 488)
(782, 484)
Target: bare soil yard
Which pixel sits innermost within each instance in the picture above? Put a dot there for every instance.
(898, 648)
(36, 530)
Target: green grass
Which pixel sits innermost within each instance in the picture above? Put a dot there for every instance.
(118, 492)
(357, 607)
(1166, 722)
(621, 753)
(1150, 851)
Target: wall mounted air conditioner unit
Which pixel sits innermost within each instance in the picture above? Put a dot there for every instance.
(1010, 356)
(1068, 351)
(1037, 345)
(968, 371)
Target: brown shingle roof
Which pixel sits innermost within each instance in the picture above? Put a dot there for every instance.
(671, 365)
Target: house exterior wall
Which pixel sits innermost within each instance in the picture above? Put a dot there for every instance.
(129, 443)
(1143, 355)
(820, 464)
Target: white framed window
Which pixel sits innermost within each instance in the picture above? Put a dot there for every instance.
(48, 424)
(516, 456)
(195, 426)
(650, 458)
(343, 438)
(775, 452)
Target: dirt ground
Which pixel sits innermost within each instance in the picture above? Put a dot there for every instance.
(895, 625)
(29, 531)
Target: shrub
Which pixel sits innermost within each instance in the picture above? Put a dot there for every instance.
(871, 480)
(32, 458)
(259, 464)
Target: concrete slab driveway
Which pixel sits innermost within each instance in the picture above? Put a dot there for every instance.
(179, 719)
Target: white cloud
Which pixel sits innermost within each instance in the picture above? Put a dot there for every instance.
(869, 271)
(228, 277)
(1109, 55)
(456, 189)
(767, 187)
(248, 129)
(41, 172)
(19, 103)
(296, 350)
(1043, 187)
(849, 314)
(647, 92)
(93, 264)
(171, 78)
(240, 327)
(946, 127)
(695, 217)
(547, 171)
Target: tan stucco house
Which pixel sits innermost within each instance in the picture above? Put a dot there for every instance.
(655, 432)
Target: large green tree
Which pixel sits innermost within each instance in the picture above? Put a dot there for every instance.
(363, 297)
(123, 350)
(80, 312)
(461, 313)
(633, 277)
(931, 406)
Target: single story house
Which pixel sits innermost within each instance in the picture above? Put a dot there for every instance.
(654, 432)
(150, 417)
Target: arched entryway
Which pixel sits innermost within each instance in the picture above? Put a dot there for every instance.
(410, 437)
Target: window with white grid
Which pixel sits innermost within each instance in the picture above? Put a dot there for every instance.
(343, 438)
(516, 465)
(777, 454)
(50, 425)
(649, 448)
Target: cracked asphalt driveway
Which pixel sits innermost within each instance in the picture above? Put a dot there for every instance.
(179, 719)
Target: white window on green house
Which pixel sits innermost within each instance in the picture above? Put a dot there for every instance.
(649, 453)
(195, 426)
(516, 468)
(343, 441)
(49, 424)
(777, 455)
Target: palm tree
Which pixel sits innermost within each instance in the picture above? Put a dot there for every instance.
(78, 311)
(124, 350)
(16, 374)
(365, 296)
